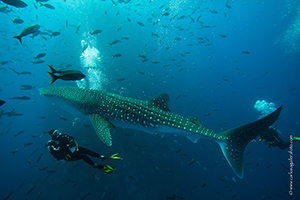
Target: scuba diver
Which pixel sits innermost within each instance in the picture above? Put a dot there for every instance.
(271, 137)
(63, 146)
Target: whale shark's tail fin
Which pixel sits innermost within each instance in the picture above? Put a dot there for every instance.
(237, 139)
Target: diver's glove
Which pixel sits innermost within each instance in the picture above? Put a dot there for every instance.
(114, 156)
(106, 168)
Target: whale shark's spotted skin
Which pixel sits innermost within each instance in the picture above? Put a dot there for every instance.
(107, 110)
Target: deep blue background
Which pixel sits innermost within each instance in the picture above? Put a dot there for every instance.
(218, 80)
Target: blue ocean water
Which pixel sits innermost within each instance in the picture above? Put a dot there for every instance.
(214, 58)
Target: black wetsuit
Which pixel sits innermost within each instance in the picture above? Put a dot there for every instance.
(63, 146)
(272, 138)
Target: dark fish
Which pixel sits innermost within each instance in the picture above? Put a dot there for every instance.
(125, 38)
(142, 56)
(19, 133)
(41, 192)
(67, 24)
(25, 73)
(227, 5)
(85, 196)
(214, 11)
(115, 42)
(7, 197)
(120, 79)
(154, 34)
(30, 29)
(192, 162)
(39, 158)
(165, 14)
(77, 28)
(246, 52)
(15, 151)
(22, 183)
(174, 197)
(129, 20)
(284, 166)
(141, 24)
(33, 152)
(204, 184)
(116, 55)
(223, 35)
(233, 180)
(40, 55)
(15, 3)
(224, 178)
(63, 118)
(51, 171)
(3, 63)
(195, 10)
(173, 17)
(192, 19)
(31, 190)
(21, 98)
(208, 44)
(132, 178)
(9, 114)
(85, 47)
(47, 5)
(56, 33)
(27, 87)
(177, 151)
(266, 73)
(95, 32)
(28, 144)
(178, 96)
(35, 135)
(66, 74)
(18, 21)
(177, 38)
(2, 102)
(5, 9)
(181, 17)
(115, 4)
(35, 5)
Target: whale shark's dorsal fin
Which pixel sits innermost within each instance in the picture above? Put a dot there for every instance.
(102, 128)
(161, 101)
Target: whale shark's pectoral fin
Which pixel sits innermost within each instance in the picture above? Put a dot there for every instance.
(102, 128)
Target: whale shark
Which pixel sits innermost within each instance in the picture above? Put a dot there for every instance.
(108, 110)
